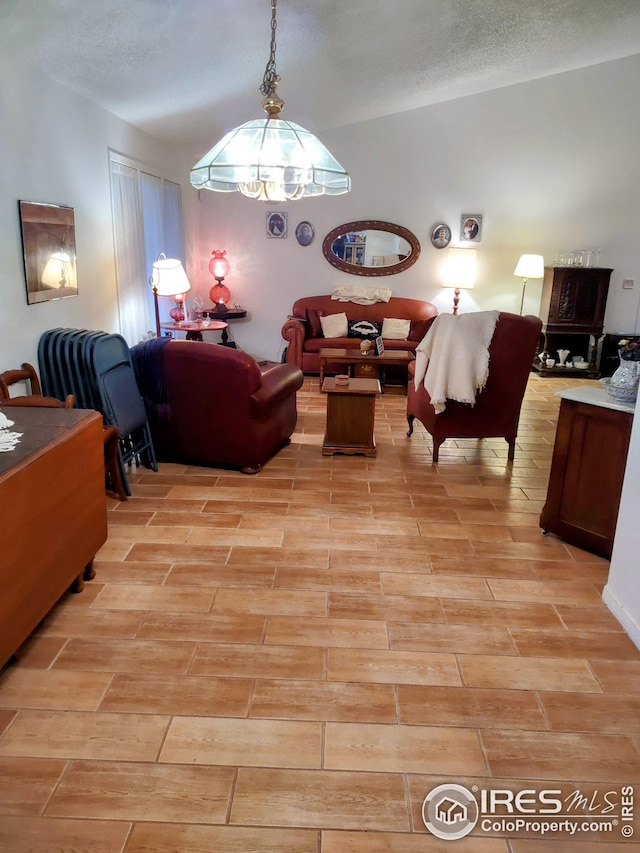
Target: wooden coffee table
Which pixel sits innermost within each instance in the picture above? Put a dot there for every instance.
(350, 416)
(362, 366)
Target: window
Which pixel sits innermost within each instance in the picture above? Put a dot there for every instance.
(147, 220)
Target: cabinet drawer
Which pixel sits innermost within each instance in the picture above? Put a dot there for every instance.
(366, 370)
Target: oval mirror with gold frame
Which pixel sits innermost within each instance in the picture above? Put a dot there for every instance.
(371, 247)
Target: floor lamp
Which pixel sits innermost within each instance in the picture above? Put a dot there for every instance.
(460, 272)
(529, 266)
(168, 278)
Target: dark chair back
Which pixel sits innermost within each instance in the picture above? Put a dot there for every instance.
(27, 374)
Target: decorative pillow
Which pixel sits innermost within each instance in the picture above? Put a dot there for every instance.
(419, 329)
(313, 322)
(364, 329)
(395, 330)
(334, 325)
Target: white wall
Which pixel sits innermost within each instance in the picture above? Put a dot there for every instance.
(622, 592)
(550, 165)
(54, 148)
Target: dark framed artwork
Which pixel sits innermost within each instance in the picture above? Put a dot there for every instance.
(305, 233)
(470, 228)
(379, 345)
(440, 235)
(277, 224)
(49, 249)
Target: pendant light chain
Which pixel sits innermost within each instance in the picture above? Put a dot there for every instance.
(271, 159)
(271, 79)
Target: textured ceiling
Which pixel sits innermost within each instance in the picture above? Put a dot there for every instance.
(186, 70)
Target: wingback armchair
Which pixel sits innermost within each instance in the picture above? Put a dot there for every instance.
(496, 412)
(211, 405)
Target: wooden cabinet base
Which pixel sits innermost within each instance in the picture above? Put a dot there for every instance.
(587, 471)
(54, 515)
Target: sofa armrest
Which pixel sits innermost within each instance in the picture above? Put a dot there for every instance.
(294, 332)
(278, 384)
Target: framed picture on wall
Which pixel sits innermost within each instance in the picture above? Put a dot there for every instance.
(305, 233)
(277, 224)
(49, 249)
(440, 235)
(470, 228)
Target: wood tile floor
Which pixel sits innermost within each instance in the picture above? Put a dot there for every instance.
(291, 661)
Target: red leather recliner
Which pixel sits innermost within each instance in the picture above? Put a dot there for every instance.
(210, 405)
(496, 412)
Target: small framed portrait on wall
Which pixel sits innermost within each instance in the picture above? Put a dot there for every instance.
(305, 233)
(471, 227)
(276, 224)
(440, 235)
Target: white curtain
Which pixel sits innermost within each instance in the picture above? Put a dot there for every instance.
(172, 215)
(133, 288)
(147, 215)
(162, 215)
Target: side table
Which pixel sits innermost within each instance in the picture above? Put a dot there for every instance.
(194, 330)
(350, 416)
(225, 316)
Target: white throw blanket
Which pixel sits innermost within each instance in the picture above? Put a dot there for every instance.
(453, 357)
(361, 295)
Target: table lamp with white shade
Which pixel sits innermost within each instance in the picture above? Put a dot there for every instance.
(460, 272)
(529, 266)
(168, 278)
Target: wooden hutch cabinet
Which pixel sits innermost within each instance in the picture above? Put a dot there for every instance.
(572, 310)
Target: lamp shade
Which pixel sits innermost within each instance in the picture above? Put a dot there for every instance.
(59, 271)
(530, 266)
(268, 158)
(273, 160)
(218, 265)
(460, 268)
(168, 277)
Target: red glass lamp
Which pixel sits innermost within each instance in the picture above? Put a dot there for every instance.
(219, 268)
(178, 313)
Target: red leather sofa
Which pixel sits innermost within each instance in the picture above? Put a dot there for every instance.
(303, 332)
(496, 412)
(211, 405)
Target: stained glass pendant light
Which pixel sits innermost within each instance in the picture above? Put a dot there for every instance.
(268, 158)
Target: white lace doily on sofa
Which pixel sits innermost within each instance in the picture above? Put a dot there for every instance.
(8, 440)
